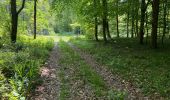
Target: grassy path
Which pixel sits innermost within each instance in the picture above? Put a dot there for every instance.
(73, 74)
(50, 88)
(85, 70)
(118, 87)
(78, 80)
(81, 74)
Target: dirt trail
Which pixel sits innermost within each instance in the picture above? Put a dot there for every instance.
(50, 88)
(112, 81)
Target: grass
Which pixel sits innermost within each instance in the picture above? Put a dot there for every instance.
(19, 66)
(148, 69)
(71, 61)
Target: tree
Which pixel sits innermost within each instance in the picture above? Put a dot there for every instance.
(14, 19)
(104, 2)
(96, 20)
(117, 17)
(164, 19)
(35, 18)
(155, 13)
(127, 23)
(142, 20)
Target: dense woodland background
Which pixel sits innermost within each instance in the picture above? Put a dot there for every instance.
(131, 25)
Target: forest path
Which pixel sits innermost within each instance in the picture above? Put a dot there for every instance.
(112, 81)
(50, 88)
(60, 78)
(52, 81)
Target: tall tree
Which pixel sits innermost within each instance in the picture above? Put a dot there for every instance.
(142, 21)
(95, 20)
(117, 17)
(35, 18)
(128, 15)
(104, 2)
(164, 19)
(144, 6)
(133, 19)
(155, 13)
(14, 19)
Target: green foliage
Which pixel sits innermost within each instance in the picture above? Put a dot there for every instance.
(24, 79)
(116, 95)
(146, 68)
(20, 63)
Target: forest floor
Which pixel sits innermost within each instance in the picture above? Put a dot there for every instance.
(72, 73)
(49, 89)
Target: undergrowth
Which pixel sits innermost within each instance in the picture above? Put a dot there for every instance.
(71, 60)
(146, 68)
(19, 66)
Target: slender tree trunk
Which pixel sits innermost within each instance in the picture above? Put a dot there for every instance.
(155, 13)
(137, 28)
(132, 30)
(127, 26)
(117, 18)
(117, 25)
(133, 20)
(14, 21)
(35, 18)
(96, 29)
(104, 29)
(137, 22)
(164, 20)
(142, 21)
(104, 19)
(96, 20)
(108, 31)
(167, 18)
(147, 29)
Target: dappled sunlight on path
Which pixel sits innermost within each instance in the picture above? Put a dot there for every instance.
(49, 90)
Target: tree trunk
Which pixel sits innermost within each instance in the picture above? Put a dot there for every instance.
(35, 18)
(133, 18)
(96, 29)
(155, 13)
(137, 22)
(104, 19)
(133, 24)
(108, 32)
(127, 26)
(117, 18)
(164, 20)
(142, 21)
(147, 29)
(95, 21)
(104, 29)
(14, 21)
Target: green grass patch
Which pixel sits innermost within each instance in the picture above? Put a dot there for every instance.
(83, 71)
(148, 69)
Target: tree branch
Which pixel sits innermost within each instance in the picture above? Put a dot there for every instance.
(22, 7)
